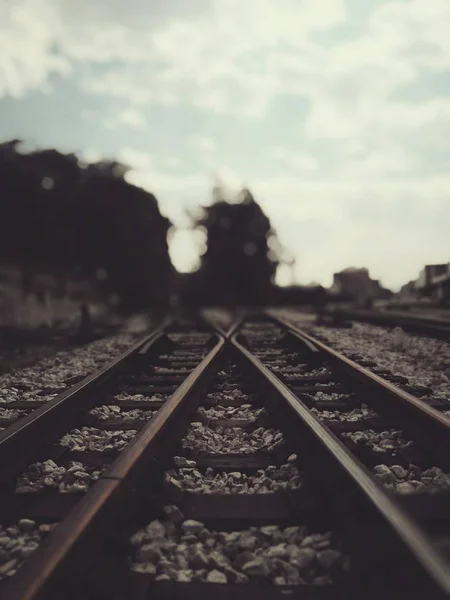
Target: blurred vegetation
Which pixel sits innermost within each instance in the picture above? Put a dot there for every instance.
(82, 222)
(69, 226)
(241, 257)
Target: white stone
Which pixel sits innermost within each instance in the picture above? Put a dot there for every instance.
(216, 576)
(190, 526)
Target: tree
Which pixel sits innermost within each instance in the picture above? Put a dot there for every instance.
(124, 240)
(66, 219)
(238, 266)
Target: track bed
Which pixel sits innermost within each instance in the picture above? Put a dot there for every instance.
(209, 467)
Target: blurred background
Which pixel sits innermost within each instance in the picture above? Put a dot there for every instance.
(158, 155)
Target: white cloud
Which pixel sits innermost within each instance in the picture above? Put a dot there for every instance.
(237, 58)
(91, 155)
(222, 60)
(27, 31)
(129, 117)
(353, 99)
(136, 159)
(382, 160)
(203, 143)
(172, 161)
(298, 161)
(163, 184)
(227, 56)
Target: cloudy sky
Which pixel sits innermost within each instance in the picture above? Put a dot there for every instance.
(336, 113)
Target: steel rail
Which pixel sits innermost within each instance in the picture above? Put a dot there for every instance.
(414, 413)
(385, 512)
(428, 325)
(69, 545)
(226, 333)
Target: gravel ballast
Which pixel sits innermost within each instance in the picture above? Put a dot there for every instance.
(59, 372)
(221, 397)
(18, 542)
(233, 440)
(353, 416)
(265, 481)
(11, 414)
(328, 396)
(47, 475)
(115, 413)
(91, 439)
(245, 412)
(412, 479)
(383, 442)
(191, 552)
(126, 397)
(424, 361)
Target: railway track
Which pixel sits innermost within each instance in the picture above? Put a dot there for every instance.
(211, 465)
(428, 325)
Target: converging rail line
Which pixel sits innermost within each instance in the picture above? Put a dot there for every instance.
(248, 460)
(428, 325)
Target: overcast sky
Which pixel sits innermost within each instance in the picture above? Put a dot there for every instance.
(336, 113)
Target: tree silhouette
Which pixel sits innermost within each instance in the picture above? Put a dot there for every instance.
(124, 240)
(238, 266)
(66, 219)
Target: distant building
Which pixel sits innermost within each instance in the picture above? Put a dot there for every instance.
(434, 282)
(356, 283)
(429, 273)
